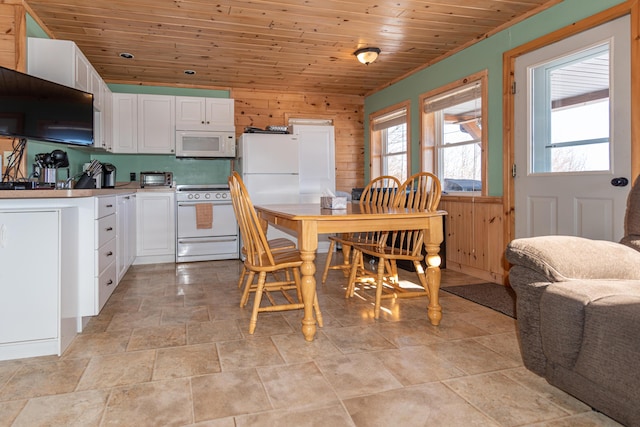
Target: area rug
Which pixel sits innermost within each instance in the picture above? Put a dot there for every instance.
(496, 297)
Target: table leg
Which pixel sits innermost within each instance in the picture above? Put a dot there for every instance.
(433, 237)
(308, 286)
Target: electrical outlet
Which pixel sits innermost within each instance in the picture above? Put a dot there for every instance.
(5, 158)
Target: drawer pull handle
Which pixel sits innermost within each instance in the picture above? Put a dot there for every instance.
(109, 253)
(110, 282)
(109, 206)
(109, 229)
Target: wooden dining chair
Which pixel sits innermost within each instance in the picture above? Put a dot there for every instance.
(275, 245)
(421, 191)
(381, 191)
(261, 260)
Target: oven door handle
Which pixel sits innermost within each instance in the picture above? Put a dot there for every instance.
(187, 204)
(213, 240)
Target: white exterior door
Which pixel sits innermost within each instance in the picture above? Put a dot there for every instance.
(573, 135)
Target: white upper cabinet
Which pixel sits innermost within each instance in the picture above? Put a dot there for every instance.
(62, 62)
(156, 124)
(125, 123)
(194, 113)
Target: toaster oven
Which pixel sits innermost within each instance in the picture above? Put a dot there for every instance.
(156, 179)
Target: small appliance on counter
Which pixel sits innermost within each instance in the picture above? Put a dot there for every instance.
(91, 177)
(156, 179)
(108, 175)
(47, 164)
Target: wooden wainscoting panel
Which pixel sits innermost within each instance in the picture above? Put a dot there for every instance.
(264, 108)
(474, 236)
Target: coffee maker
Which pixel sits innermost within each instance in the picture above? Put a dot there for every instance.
(108, 175)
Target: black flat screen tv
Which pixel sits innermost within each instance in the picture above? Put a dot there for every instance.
(34, 108)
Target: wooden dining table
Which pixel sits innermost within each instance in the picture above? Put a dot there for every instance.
(308, 221)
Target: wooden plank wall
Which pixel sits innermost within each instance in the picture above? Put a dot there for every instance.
(264, 108)
(474, 236)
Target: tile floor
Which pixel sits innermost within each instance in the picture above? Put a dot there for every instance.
(171, 348)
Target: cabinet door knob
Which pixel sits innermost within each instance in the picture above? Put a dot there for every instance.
(109, 253)
(110, 282)
(109, 228)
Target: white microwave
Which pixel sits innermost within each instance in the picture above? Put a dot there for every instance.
(191, 143)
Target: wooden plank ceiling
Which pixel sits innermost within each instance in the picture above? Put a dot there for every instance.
(288, 45)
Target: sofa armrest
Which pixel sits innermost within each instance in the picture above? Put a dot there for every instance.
(562, 258)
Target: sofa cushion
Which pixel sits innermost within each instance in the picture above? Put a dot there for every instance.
(561, 258)
(563, 311)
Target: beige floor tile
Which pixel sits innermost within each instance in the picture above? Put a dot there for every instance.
(157, 337)
(472, 357)
(139, 319)
(426, 405)
(297, 386)
(153, 303)
(226, 312)
(177, 315)
(590, 419)
(417, 365)
(87, 345)
(10, 410)
(505, 400)
(227, 394)
(355, 339)
(219, 330)
(295, 349)
(541, 386)
(186, 361)
(407, 333)
(157, 403)
(268, 324)
(81, 409)
(505, 344)
(357, 374)
(118, 369)
(43, 379)
(248, 353)
(334, 416)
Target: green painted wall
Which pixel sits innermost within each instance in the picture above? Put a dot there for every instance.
(486, 54)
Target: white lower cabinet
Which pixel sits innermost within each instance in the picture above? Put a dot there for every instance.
(156, 227)
(39, 295)
(106, 276)
(126, 232)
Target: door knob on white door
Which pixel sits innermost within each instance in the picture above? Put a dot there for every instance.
(619, 182)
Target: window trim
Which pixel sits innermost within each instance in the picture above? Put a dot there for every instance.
(428, 152)
(375, 142)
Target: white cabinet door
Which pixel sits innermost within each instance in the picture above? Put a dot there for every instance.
(107, 118)
(219, 112)
(156, 233)
(131, 238)
(30, 296)
(190, 112)
(82, 72)
(193, 113)
(125, 123)
(156, 124)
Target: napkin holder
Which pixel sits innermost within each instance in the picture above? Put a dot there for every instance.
(333, 202)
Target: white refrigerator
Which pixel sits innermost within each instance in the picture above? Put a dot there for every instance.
(288, 168)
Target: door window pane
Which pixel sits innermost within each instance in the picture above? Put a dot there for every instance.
(570, 113)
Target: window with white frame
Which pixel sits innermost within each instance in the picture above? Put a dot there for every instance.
(455, 135)
(389, 143)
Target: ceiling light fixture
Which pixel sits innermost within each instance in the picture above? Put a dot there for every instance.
(367, 55)
(126, 55)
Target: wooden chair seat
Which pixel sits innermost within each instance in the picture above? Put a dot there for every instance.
(275, 245)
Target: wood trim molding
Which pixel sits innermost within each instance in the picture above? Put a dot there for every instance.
(630, 7)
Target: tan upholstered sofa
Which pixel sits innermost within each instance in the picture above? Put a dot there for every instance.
(578, 310)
